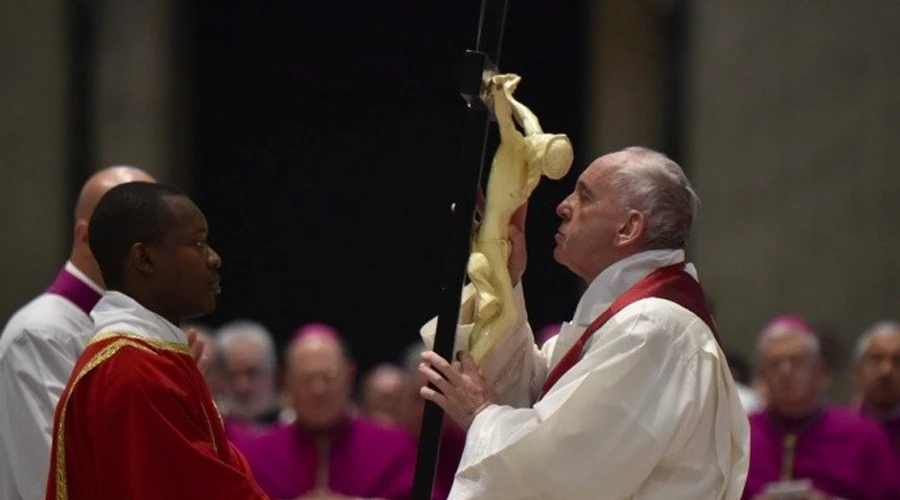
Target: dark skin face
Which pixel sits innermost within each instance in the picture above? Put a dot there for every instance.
(177, 277)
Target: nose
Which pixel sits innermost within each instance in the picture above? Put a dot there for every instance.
(564, 209)
(784, 367)
(214, 259)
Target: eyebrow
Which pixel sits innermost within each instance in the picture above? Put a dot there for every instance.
(584, 187)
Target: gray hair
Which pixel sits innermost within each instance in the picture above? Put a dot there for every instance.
(662, 193)
(250, 330)
(776, 332)
(886, 327)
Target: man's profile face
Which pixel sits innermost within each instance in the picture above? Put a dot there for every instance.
(591, 217)
(187, 265)
(879, 371)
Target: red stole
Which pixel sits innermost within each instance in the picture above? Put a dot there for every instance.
(671, 283)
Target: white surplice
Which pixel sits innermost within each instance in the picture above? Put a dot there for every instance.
(119, 313)
(38, 349)
(650, 411)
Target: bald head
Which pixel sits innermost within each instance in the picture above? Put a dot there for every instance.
(91, 193)
(101, 182)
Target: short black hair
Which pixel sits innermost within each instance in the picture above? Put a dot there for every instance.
(133, 212)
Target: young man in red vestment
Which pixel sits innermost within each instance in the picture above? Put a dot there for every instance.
(136, 419)
(633, 398)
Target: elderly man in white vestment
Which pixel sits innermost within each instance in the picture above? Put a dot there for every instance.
(39, 347)
(633, 399)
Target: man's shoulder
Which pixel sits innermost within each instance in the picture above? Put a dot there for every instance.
(662, 317)
(48, 318)
(129, 367)
(848, 422)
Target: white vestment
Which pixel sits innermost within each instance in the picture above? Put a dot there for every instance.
(117, 313)
(650, 411)
(38, 349)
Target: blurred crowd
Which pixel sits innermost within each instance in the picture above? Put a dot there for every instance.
(311, 416)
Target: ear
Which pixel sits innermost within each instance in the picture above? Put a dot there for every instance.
(143, 259)
(80, 234)
(631, 230)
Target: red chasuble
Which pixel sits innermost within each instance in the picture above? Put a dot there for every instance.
(137, 421)
(671, 283)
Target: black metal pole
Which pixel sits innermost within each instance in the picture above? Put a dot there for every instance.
(476, 65)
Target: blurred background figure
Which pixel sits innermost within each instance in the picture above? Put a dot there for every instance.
(878, 377)
(329, 450)
(743, 380)
(799, 437)
(247, 364)
(383, 391)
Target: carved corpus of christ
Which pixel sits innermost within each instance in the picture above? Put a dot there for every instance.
(521, 159)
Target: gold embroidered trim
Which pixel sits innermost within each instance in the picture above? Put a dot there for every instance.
(159, 344)
(212, 437)
(95, 361)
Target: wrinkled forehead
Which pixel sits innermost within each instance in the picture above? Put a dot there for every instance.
(786, 341)
(884, 340)
(315, 354)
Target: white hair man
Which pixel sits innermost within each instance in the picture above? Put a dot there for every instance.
(801, 439)
(633, 398)
(40, 345)
(247, 363)
(878, 377)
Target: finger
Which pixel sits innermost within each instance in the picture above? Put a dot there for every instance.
(435, 378)
(435, 397)
(467, 362)
(518, 217)
(442, 366)
(191, 335)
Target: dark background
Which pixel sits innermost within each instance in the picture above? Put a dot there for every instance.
(326, 144)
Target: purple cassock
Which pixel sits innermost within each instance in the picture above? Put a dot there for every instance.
(892, 427)
(364, 460)
(78, 292)
(841, 453)
(453, 442)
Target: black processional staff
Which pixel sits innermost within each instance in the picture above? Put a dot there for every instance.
(479, 65)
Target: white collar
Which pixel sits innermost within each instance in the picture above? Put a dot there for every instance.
(74, 271)
(619, 277)
(118, 312)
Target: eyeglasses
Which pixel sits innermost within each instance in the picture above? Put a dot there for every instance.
(795, 361)
(877, 359)
(328, 377)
